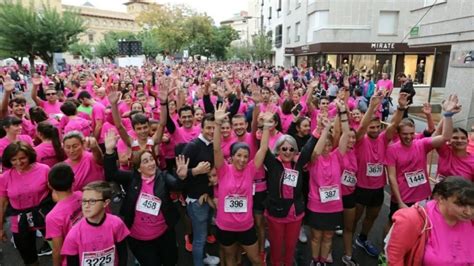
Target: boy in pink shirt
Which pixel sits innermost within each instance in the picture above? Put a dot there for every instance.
(98, 238)
(67, 210)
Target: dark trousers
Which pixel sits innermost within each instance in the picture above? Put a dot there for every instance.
(159, 251)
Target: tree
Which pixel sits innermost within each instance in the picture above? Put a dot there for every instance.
(199, 32)
(26, 32)
(239, 52)
(221, 39)
(81, 49)
(261, 47)
(168, 22)
(107, 48)
(150, 44)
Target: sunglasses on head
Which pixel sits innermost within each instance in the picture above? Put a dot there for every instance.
(286, 149)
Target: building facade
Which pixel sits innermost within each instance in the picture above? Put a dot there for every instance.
(368, 35)
(450, 23)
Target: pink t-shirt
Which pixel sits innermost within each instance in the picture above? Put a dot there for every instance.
(450, 164)
(63, 216)
(470, 146)
(185, 135)
(226, 144)
(448, 245)
(27, 128)
(286, 121)
(273, 139)
(4, 142)
(349, 170)
(234, 211)
(85, 171)
(51, 109)
(86, 240)
(98, 114)
(24, 190)
(325, 183)
(45, 154)
(370, 155)
(147, 226)
(410, 166)
(78, 124)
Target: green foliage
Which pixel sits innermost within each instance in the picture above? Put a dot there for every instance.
(29, 32)
(150, 44)
(261, 47)
(221, 39)
(81, 49)
(239, 52)
(107, 48)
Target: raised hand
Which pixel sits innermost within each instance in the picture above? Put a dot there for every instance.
(8, 84)
(182, 166)
(36, 80)
(376, 99)
(114, 97)
(90, 142)
(426, 109)
(202, 168)
(451, 104)
(110, 141)
(221, 112)
(341, 106)
(267, 118)
(403, 99)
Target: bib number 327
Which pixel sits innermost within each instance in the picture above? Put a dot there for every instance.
(235, 204)
(328, 194)
(104, 257)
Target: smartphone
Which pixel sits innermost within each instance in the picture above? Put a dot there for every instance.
(297, 109)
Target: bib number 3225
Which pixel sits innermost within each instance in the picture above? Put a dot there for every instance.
(104, 257)
(235, 204)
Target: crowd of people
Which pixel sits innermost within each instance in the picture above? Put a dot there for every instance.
(239, 153)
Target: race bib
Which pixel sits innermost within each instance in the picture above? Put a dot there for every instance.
(104, 257)
(148, 204)
(348, 178)
(329, 193)
(235, 204)
(29, 218)
(290, 177)
(415, 178)
(374, 169)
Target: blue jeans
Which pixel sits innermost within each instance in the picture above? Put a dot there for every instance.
(199, 215)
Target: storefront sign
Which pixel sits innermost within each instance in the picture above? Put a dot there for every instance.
(305, 48)
(414, 31)
(289, 50)
(382, 46)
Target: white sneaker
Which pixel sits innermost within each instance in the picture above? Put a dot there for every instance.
(303, 238)
(267, 243)
(339, 232)
(211, 260)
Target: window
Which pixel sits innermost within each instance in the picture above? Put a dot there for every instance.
(388, 23)
(278, 36)
(316, 21)
(298, 3)
(261, 3)
(297, 31)
(432, 2)
(288, 6)
(288, 34)
(90, 36)
(269, 12)
(279, 5)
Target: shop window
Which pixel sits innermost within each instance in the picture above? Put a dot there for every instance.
(297, 31)
(316, 21)
(288, 32)
(432, 2)
(278, 36)
(388, 23)
(279, 5)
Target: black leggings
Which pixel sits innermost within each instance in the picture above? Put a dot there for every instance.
(25, 242)
(159, 251)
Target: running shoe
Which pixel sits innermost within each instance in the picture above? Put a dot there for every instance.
(188, 245)
(369, 248)
(302, 238)
(329, 259)
(349, 261)
(45, 250)
(211, 260)
(211, 239)
(339, 232)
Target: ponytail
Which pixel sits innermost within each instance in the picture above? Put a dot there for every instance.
(50, 132)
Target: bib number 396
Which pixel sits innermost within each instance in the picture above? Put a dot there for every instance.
(235, 204)
(104, 257)
(328, 194)
(148, 204)
(415, 178)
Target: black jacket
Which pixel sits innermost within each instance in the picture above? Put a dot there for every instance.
(132, 183)
(275, 204)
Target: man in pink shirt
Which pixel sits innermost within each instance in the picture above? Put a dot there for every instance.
(385, 84)
(52, 105)
(370, 150)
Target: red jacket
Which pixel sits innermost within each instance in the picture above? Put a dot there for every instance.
(407, 237)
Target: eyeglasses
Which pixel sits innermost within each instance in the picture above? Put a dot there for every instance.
(50, 94)
(91, 202)
(288, 149)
